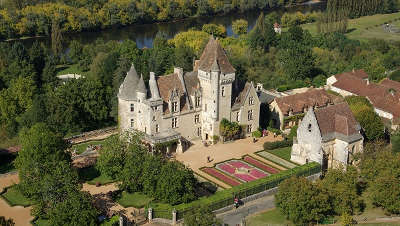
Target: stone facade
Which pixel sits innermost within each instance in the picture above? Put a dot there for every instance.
(188, 105)
(329, 136)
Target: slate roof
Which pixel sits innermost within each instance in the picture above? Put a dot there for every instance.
(141, 87)
(300, 102)
(337, 119)
(213, 52)
(265, 98)
(166, 84)
(192, 82)
(127, 90)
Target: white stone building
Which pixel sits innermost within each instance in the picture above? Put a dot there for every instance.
(330, 136)
(187, 106)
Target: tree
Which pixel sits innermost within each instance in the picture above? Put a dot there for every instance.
(75, 51)
(201, 216)
(239, 27)
(176, 184)
(385, 191)
(297, 62)
(56, 38)
(215, 30)
(77, 209)
(103, 67)
(341, 186)
(301, 201)
(41, 151)
(395, 140)
(6, 222)
(263, 35)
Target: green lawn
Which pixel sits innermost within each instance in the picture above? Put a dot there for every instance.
(15, 198)
(367, 27)
(270, 217)
(110, 222)
(7, 163)
(69, 69)
(282, 152)
(41, 222)
(91, 175)
(137, 200)
(80, 148)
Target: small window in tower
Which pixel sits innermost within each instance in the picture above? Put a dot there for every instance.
(132, 107)
(251, 100)
(174, 122)
(237, 116)
(223, 91)
(174, 106)
(249, 128)
(309, 127)
(154, 118)
(157, 128)
(199, 131)
(197, 102)
(132, 122)
(197, 119)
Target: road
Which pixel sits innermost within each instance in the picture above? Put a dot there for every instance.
(234, 217)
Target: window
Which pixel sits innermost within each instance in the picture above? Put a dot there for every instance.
(199, 131)
(154, 118)
(174, 122)
(249, 128)
(309, 127)
(196, 119)
(132, 122)
(174, 106)
(251, 100)
(132, 107)
(250, 115)
(237, 116)
(223, 91)
(197, 102)
(157, 128)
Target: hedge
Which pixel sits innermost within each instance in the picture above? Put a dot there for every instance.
(225, 198)
(278, 144)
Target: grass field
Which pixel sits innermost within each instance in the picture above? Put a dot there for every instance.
(69, 69)
(368, 27)
(91, 176)
(270, 217)
(15, 198)
(137, 200)
(282, 152)
(80, 148)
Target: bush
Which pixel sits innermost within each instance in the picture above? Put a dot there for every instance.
(274, 130)
(215, 138)
(277, 144)
(256, 134)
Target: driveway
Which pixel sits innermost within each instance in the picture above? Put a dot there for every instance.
(234, 217)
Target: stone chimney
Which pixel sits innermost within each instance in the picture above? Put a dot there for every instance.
(196, 65)
(153, 86)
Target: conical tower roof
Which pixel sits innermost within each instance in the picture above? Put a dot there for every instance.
(141, 87)
(214, 52)
(215, 66)
(128, 87)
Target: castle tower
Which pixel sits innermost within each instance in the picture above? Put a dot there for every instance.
(216, 76)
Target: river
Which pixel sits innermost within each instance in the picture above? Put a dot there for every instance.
(144, 34)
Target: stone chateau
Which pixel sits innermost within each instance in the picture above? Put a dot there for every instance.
(188, 105)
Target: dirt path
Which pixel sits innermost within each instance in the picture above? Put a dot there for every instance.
(20, 215)
(196, 156)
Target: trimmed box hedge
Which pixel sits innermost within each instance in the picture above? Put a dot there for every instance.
(225, 198)
(277, 144)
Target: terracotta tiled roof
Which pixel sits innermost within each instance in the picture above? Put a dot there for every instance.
(300, 102)
(380, 95)
(214, 52)
(337, 119)
(166, 84)
(361, 74)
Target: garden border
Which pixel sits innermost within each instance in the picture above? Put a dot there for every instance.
(262, 163)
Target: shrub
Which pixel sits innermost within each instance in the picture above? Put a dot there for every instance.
(215, 138)
(256, 134)
(277, 144)
(274, 130)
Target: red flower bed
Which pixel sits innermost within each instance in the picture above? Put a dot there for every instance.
(261, 165)
(227, 168)
(239, 164)
(257, 174)
(215, 173)
(245, 177)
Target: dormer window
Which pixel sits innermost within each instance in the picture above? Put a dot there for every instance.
(223, 91)
(174, 106)
(157, 128)
(197, 102)
(250, 115)
(132, 107)
(251, 100)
